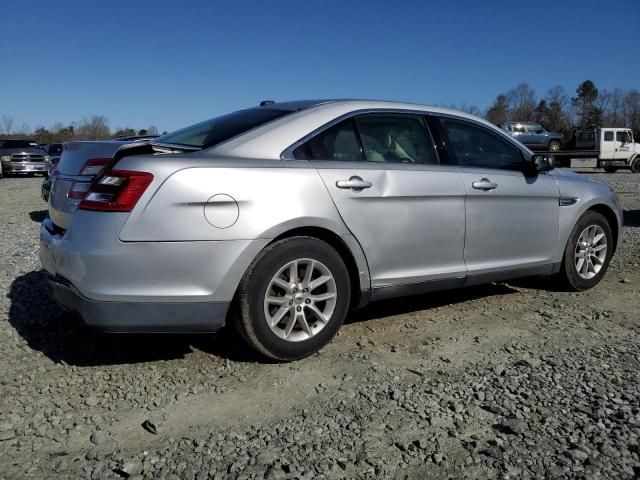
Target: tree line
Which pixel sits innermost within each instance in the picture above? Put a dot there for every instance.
(556, 110)
(95, 127)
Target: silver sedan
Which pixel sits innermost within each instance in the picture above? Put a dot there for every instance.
(281, 218)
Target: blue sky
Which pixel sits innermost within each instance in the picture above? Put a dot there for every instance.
(172, 63)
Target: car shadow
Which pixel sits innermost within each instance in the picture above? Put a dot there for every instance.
(64, 339)
(38, 215)
(632, 218)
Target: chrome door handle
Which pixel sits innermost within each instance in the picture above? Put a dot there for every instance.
(354, 183)
(484, 184)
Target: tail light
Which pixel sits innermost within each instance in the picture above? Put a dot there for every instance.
(94, 166)
(116, 191)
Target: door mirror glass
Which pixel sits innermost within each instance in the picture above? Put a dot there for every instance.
(543, 163)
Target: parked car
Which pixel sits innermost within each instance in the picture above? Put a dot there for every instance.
(47, 181)
(534, 136)
(279, 219)
(22, 156)
(52, 149)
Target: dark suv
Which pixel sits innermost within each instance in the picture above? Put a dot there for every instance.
(23, 156)
(534, 136)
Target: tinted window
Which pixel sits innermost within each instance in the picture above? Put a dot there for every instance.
(395, 139)
(518, 128)
(17, 144)
(335, 143)
(534, 128)
(623, 137)
(474, 146)
(211, 132)
(608, 136)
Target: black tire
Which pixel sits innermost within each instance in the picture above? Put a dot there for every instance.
(569, 273)
(635, 166)
(611, 169)
(554, 146)
(251, 321)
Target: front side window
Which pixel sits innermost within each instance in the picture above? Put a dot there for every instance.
(395, 139)
(338, 142)
(470, 145)
(623, 137)
(608, 136)
(534, 128)
(217, 130)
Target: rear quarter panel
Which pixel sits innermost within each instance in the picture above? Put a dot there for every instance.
(199, 203)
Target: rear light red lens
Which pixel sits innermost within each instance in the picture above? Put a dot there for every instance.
(94, 166)
(116, 191)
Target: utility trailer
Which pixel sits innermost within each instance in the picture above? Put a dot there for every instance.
(608, 148)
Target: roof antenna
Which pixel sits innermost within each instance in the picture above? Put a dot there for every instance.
(264, 103)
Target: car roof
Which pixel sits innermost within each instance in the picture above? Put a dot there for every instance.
(271, 139)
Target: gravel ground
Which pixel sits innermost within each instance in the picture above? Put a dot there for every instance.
(507, 381)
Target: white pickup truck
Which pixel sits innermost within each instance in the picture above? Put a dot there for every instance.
(608, 148)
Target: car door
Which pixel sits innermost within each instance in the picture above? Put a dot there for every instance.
(405, 209)
(536, 135)
(520, 133)
(623, 145)
(512, 219)
(607, 144)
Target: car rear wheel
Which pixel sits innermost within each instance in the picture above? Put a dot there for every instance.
(554, 146)
(610, 169)
(293, 298)
(588, 252)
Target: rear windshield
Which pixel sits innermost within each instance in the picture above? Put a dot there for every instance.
(17, 144)
(212, 132)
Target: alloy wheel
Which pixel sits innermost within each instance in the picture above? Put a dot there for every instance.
(590, 252)
(300, 299)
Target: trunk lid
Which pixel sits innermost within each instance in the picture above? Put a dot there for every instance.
(74, 157)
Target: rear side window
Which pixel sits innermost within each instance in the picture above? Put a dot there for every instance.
(608, 136)
(534, 128)
(380, 138)
(395, 139)
(217, 130)
(335, 143)
(470, 145)
(517, 128)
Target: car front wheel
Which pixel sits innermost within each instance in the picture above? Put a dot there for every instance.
(588, 252)
(293, 298)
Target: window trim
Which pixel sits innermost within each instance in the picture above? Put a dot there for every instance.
(524, 154)
(287, 153)
(421, 120)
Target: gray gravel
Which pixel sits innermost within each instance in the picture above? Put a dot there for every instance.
(507, 381)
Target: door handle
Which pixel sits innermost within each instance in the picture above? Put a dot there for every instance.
(484, 184)
(354, 183)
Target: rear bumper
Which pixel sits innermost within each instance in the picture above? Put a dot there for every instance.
(148, 317)
(142, 286)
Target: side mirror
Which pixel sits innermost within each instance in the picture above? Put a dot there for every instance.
(543, 163)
